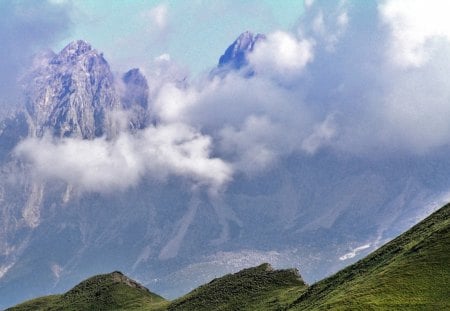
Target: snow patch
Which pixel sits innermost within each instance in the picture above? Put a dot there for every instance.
(355, 251)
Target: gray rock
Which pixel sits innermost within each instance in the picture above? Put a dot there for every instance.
(71, 94)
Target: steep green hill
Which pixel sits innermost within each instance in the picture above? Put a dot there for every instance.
(259, 288)
(112, 291)
(412, 272)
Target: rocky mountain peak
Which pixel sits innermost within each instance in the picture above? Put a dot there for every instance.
(136, 89)
(135, 77)
(71, 94)
(74, 50)
(235, 55)
(135, 98)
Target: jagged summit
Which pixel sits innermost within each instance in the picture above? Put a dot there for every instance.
(134, 98)
(74, 50)
(235, 55)
(71, 94)
(136, 91)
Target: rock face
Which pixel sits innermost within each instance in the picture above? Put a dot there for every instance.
(71, 94)
(235, 56)
(136, 89)
(135, 98)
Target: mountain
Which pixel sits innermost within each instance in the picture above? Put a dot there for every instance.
(316, 213)
(135, 98)
(236, 55)
(411, 272)
(113, 291)
(71, 94)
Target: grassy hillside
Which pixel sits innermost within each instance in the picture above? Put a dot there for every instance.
(412, 272)
(259, 288)
(112, 291)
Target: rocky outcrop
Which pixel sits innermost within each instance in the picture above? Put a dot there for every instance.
(235, 56)
(71, 94)
(135, 98)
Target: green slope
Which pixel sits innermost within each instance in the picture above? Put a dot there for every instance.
(259, 288)
(112, 291)
(412, 272)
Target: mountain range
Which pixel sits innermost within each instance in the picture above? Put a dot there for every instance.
(317, 214)
(409, 273)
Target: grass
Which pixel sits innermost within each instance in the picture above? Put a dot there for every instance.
(412, 272)
(112, 291)
(259, 288)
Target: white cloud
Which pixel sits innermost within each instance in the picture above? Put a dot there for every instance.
(159, 16)
(281, 54)
(4, 269)
(101, 165)
(251, 143)
(343, 19)
(414, 25)
(163, 70)
(329, 25)
(57, 270)
(252, 121)
(173, 102)
(308, 3)
(322, 134)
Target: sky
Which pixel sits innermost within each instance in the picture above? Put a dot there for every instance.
(193, 33)
(356, 78)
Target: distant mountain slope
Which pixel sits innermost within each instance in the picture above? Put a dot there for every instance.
(412, 272)
(112, 291)
(259, 288)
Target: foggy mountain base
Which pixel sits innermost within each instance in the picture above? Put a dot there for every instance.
(301, 153)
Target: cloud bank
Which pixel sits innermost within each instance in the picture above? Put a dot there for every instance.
(366, 80)
(101, 165)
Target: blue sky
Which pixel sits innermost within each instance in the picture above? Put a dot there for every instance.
(193, 33)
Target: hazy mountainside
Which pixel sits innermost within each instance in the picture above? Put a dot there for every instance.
(411, 272)
(112, 291)
(318, 213)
